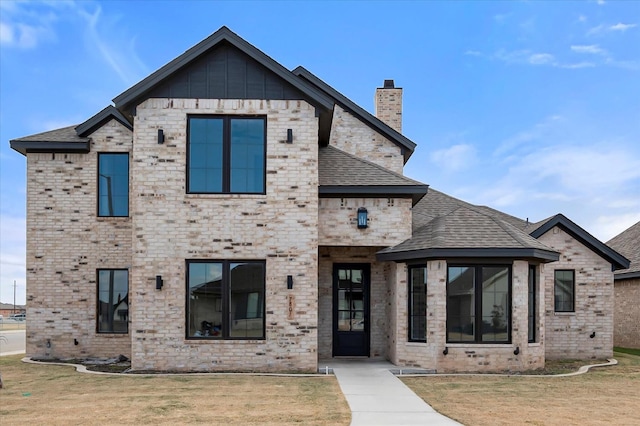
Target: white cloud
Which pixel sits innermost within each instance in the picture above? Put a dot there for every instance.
(12, 258)
(577, 65)
(591, 48)
(608, 226)
(541, 59)
(600, 2)
(621, 27)
(454, 158)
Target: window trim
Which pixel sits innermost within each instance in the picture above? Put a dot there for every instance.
(225, 299)
(98, 331)
(478, 302)
(98, 175)
(410, 315)
(226, 152)
(573, 292)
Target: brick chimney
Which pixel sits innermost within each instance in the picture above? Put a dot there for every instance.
(389, 105)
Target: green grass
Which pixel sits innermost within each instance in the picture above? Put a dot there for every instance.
(629, 351)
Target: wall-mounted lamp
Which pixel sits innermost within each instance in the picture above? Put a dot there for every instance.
(75, 342)
(592, 335)
(517, 351)
(362, 218)
(289, 282)
(159, 282)
(446, 351)
(289, 135)
(160, 136)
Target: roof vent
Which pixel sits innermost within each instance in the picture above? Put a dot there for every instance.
(388, 84)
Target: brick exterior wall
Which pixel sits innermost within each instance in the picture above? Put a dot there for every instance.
(626, 327)
(171, 226)
(568, 334)
(462, 357)
(353, 136)
(66, 243)
(389, 221)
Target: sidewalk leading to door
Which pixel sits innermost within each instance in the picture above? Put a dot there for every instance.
(377, 397)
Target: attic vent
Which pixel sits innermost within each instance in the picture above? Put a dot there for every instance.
(388, 84)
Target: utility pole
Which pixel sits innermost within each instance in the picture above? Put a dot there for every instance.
(14, 297)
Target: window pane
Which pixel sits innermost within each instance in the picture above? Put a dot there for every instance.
(418, 304)
(247, 155)
(205, 154)
(461, 304)
(113, 301)
(205, 300)
(532, 303)
(113, 184)
(246, 300)
(495, 304)
(564, 288)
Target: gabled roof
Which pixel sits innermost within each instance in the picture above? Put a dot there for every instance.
(628, 244)
(367, 118)
(100, 118)
(59, 140)
(340, 174)
(617, 260)
(468, 233)
(224, 34)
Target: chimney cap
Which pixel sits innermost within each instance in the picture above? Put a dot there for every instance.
(388, 84)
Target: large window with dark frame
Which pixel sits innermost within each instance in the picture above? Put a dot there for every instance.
(226, 154)
(479, 304)
(225, 299)
(113, 184)
(417, 304)
(532, 325)
(564, 290)
(113, 301)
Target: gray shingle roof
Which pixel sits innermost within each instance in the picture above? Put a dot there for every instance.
(66, 134)
(627, 243)
(467, 232)
(343, 173)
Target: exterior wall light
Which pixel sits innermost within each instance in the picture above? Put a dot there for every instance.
(289, 282)
(289, 135)
(160, 136)
(159, 282)
(362, 218)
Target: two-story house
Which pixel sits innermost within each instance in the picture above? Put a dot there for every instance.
(226, 213)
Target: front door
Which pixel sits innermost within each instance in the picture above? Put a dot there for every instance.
(351, 309)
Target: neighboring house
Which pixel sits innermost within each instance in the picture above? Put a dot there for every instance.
(626, 329)
(229, 214)
(7, 309)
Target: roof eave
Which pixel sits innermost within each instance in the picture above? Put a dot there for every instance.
(100, 118)
(25, 147)
(617, 260)
(223, 34)
(544, 256)
(626, 276)
(415, 192)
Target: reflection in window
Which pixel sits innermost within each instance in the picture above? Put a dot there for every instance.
(350, 300)
(113, 301)
(113, 184)
(564, 287)
(483, 289)
(418, 304)
(226, 154)
(226, 299)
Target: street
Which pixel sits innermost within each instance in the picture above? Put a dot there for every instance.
(12, 342)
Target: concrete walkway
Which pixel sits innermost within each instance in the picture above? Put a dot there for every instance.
(377, 397)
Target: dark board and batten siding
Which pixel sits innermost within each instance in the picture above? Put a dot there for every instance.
(225, 73)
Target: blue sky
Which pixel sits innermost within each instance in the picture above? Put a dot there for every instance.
(532, 108)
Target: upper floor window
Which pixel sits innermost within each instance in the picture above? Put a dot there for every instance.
(113, 301)
(479, 304)
(113, 184)
(226, 154)
(564, 290)
(417, 304)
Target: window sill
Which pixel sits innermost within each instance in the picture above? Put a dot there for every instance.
(480, 345)
(112, 335)
(201, 340)
(564, 314)
(415, 343)
(534, 345)
(225, 196)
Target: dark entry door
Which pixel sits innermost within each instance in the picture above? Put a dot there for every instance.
(351, 309)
